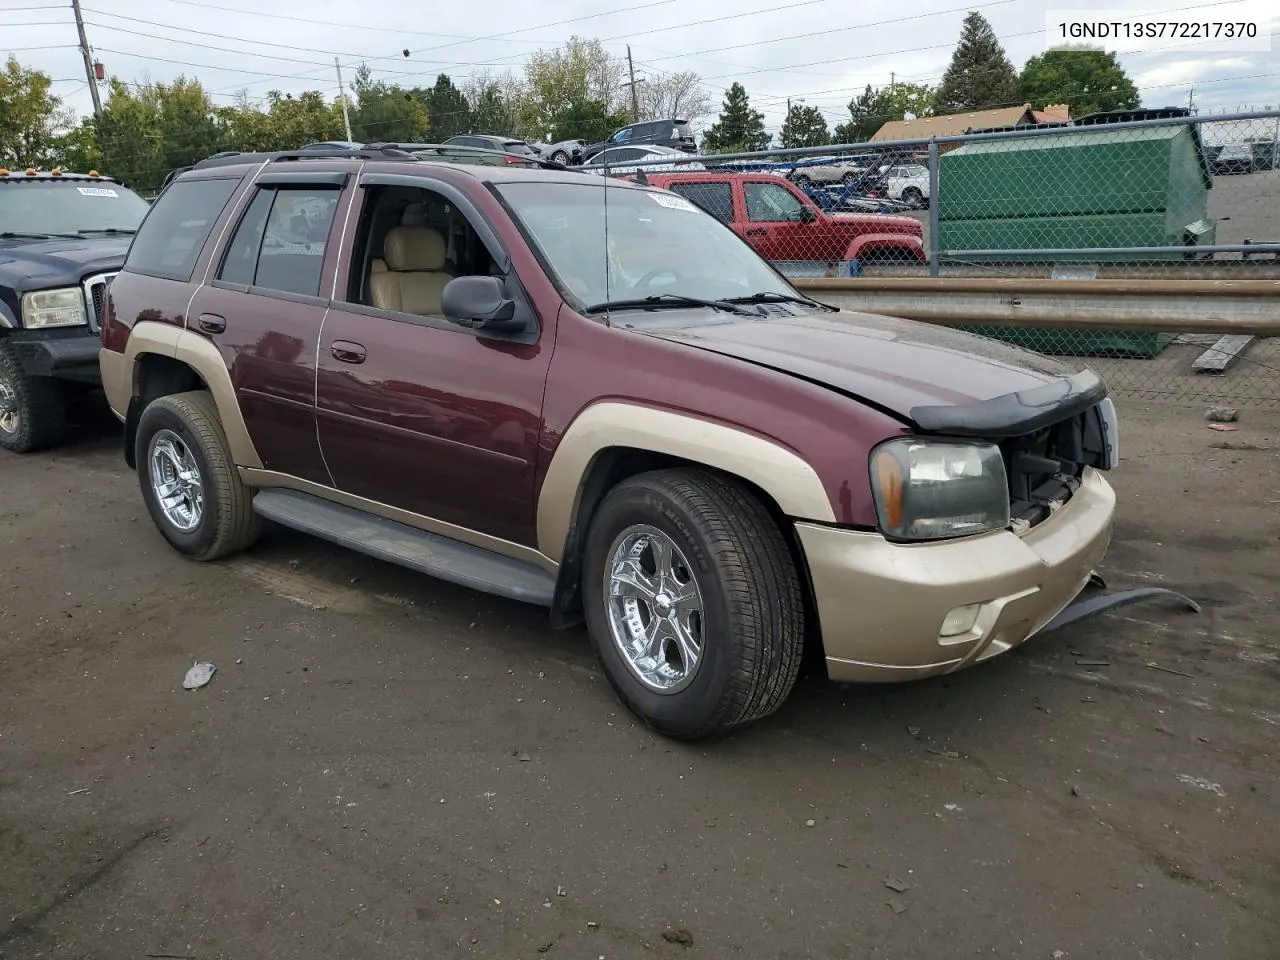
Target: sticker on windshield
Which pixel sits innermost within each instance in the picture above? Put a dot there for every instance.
(97, 192)
(672, 201)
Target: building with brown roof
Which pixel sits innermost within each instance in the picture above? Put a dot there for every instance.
(954, 124)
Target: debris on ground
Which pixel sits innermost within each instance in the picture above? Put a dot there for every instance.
(896, 885)
(561, 892)
(1222, 414)
(914, 731)
(546, 946)
(1222, 427)
(1178, 673)
(1093, 663)
(1075, 791)
(897, 906)
(1202, 783)
(811, 823)
(681, 936)
(592, 925)
(198, 675)
(522, 756)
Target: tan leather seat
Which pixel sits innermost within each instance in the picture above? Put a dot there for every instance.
(415, 277)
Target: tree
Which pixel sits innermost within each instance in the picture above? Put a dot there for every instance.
(495, 102)
(674, 96)
(30, 117)
(739, 129)
(293, 121)
(980, 75)
(873, 108)
(385, 112)
(590, 120)
(582, 71)
(1088, 79)
(804, 127)
(449, 114)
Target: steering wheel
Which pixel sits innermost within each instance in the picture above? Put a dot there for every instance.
(648, 278)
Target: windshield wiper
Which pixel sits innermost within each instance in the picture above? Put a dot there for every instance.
(125, 231)
(661, 301)
(772, 297)
(11, 235)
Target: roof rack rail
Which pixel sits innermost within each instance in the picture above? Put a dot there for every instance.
(459, 150)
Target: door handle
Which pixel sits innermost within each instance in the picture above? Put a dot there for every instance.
(347, 352)
(212, 323)
(759, 232)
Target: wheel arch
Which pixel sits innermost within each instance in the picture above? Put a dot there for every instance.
(162, 359)
(611, 442)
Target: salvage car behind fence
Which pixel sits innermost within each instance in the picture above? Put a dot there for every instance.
(1144, 244)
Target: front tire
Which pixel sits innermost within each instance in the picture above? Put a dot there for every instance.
(33, 410)
(913, 197)
(189, 481)
(693, 602)
(560, 157)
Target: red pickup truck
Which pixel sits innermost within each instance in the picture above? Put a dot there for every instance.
(783, 224)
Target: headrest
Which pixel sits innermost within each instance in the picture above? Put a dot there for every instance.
(414, 248)
(377, 265)
(414, 215)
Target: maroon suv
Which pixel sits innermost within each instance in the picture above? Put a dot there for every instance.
(593, 396)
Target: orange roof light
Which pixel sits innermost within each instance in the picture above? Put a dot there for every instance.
(4, 171)
(31, 171)
(94, 173)
(56, 172)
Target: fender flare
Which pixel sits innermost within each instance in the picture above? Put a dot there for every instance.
(869, 242)
(777, 470)
(202, 356)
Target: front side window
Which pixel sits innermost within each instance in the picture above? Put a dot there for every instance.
(69, 208)
(606, 242)
(771, 203)
(622, 136)
(169, 241)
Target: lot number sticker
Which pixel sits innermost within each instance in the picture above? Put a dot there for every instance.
(97, 192)
(674, 202)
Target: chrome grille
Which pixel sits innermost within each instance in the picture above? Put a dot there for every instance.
(95, 298)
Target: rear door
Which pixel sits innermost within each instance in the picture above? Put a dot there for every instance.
(264, 307)
(713, 196)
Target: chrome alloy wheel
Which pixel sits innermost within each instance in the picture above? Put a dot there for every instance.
(175, 479)
(10, 416)
(654, 608)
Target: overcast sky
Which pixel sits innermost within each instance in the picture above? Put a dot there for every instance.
(845, 47)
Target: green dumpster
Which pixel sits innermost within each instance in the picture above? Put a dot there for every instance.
(1087, 187)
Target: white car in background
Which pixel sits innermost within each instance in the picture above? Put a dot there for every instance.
(643, 157)
(908, 182)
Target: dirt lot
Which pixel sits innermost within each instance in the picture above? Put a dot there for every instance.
(389, 767)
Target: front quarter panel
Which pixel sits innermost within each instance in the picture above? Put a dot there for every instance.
(804, 445)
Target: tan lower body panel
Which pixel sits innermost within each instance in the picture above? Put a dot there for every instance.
(881, 605)
(117, 380)
(203, 357)
(269, 478)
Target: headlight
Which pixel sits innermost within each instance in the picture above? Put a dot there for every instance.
(53, 308)
(931, 490)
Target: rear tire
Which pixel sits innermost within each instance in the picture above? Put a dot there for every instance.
(724, 548)
(189, 481)
(560, 157)
(913, 197)
(33, 410)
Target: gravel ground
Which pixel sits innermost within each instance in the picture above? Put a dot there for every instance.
(387, 766)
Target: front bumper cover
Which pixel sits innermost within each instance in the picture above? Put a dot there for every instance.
(881, 605)
(67, 358)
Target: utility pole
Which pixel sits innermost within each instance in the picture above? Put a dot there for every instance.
(342, 95)
(89, 72)
(892, 76)
(635, 94)
(1191, 98)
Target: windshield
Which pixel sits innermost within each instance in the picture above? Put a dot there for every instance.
(69, 207)
(656, 244)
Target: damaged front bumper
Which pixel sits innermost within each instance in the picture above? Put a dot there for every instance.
(887, 610)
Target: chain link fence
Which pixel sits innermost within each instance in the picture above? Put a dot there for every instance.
(1159, 197)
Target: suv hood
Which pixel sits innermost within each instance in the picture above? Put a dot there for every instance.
(891, 363)
(877, 223)
(39, 264)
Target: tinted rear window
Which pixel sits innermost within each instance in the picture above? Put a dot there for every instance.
(174, 232)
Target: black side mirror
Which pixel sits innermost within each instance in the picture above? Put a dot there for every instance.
(481, 303)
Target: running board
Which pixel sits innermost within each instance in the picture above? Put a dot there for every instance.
(429, 553)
